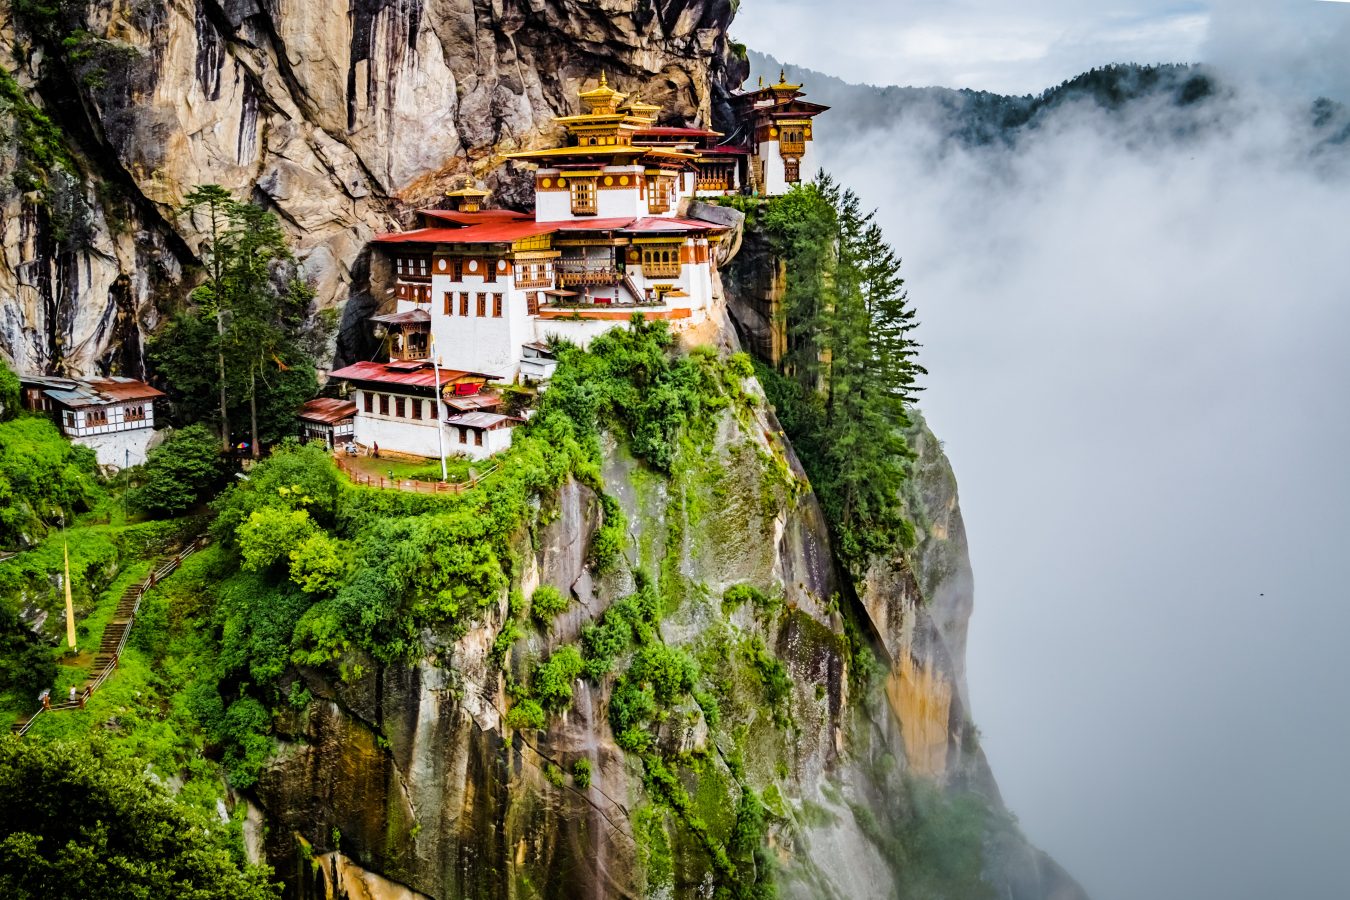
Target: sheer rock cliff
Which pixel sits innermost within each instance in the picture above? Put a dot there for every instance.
(340, 116)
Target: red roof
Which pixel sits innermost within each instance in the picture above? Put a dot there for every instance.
(592, 224)
(118, 389)
(667, 131)
(506, 232)
(498, 232)
(327, 410)
(382, 373)
(456, 217)
(668, 224)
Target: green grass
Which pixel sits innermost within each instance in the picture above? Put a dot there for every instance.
(457, 468)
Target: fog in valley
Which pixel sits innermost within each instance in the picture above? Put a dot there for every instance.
(1136, 323)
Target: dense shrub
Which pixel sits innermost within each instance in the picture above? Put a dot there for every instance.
(42, 476)
(77, 822)
(179, 472)
(546, 602)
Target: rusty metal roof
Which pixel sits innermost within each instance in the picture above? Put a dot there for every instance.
(77, 393)
(485, 400)
(411, 317)
(327, 410)
(424, 377)
(481, 421)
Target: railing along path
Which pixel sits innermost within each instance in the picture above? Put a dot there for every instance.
(410, 485)
(115, 636)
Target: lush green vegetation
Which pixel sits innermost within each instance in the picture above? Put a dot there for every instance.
(935, 844)
(43, 477)
(851, 366)
(310, 570)
(9, 392)
(77, 821)
(250, 317)
(179, 473)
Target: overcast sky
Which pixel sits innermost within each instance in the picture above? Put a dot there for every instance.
(1025, 46)
(1139, 368)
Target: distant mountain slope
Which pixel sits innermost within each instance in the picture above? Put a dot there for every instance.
(975, 118)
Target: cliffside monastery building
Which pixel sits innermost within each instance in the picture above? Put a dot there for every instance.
(480, 292)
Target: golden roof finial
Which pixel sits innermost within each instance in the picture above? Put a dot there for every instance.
(604, 82)
(761, 81)
(782, 76)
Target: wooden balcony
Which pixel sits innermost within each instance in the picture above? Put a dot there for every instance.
(661, 270)
(792, 148)
(587, 274)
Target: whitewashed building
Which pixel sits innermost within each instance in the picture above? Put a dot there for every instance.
(113, 416)
(329, 420)
(482, 291)
(779, 128)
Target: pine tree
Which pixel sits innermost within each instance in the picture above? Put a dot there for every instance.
(251, 314)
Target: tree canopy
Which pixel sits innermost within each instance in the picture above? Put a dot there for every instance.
(42, 476)
(179, 472)
(250, 317)
(851, 367)
(76, 821)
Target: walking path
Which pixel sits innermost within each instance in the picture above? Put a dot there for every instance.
(410, 485)
(115, 637)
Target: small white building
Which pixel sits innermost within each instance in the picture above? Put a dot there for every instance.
(329, 420)
(411, 407)
(113, 416)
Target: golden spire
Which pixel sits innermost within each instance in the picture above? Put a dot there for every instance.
(604, 82)
(782, 76)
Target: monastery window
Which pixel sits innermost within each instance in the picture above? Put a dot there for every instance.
(463, 435)
(457, 268)
(532, 303)
(658, 194)
(384, 404)
(133, 414)
(793, 140)
(96, 417)
(398, 407)
(661, 262)
(370, 401)
(792, 171)
(70, 420)
(496, 306)
(477, 438)
(583, 196)
(490, 270)
(449, 303)
(413, 267)
(416, 409)
(464, 303)
(482, 306)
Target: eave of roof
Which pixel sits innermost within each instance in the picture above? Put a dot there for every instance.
(381, 373)
(457, 217)
(327, 410)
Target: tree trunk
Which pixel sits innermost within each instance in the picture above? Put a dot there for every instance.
(224, 413)
(253, 407)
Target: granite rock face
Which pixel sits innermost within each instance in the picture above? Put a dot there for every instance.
(342, 117)
(408, 777)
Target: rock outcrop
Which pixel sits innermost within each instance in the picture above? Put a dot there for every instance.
(340, 116)
(411, 774)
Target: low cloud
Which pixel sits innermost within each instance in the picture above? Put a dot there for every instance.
(1136, 325)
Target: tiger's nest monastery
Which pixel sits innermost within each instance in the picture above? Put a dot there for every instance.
(480, 292)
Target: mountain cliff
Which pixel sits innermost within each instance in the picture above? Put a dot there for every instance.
(341, 117)
(816, 743)
(845, 720)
